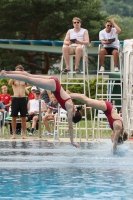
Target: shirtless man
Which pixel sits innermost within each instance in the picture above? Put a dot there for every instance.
(50, 83)
(19, 103)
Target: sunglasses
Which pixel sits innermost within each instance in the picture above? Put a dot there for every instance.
(76, 22)
(109, 25)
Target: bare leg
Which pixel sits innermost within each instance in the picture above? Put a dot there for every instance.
(23, 123)
(45, 121)
(99, 105)
(78, 53)
(65, 51)
(103, 52)
(116, 57)
(40, 81)
(35, 119)
(13, 128)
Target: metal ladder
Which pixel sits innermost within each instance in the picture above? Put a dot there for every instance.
(106, 83)
(71, 78)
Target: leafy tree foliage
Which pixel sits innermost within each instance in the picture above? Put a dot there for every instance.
(4, 81)
(43, 19)
(120, 7)
(122, 12)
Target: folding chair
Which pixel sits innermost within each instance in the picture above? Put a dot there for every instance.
(102, 123)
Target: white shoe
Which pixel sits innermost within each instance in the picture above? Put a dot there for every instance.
(116, 69)
(102, 69)
(48, 134)
(30, 134)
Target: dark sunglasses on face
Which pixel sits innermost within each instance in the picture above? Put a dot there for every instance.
(109, 25)
(76, 22)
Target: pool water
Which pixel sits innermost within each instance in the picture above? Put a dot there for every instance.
(42, 170)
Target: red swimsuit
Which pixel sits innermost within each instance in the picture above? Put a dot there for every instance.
(108, 114)
(57, 93)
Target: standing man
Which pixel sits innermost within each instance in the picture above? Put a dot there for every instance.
(109, 39)
(19, 103)
(73, 42)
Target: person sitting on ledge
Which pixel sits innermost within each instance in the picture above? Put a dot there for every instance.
(118, 135)
(53, 84)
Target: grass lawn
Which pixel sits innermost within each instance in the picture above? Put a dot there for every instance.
(63, 133)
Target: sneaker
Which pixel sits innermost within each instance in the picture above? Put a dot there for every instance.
(116, 69)
(48, 134)
(30, 134)
(102, 69)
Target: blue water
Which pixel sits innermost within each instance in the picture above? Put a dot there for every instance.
(41, 170)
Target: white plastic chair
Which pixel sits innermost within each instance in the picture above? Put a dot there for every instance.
(60, 122)
(102, 123)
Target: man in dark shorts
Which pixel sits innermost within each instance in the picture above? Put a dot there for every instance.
(109, 39)
(19, 103)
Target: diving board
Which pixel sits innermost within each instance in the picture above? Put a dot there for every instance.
(49, 46)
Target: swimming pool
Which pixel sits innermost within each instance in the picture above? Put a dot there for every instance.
(42, 170)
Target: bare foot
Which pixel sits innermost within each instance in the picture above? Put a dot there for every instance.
(13, 137)
(24, 137)
(2, 73)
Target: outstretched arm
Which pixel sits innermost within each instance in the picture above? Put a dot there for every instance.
(24, 73)
(115, 137)
(70, 113)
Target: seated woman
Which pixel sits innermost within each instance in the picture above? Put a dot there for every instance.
(53, 84)
(118, 135)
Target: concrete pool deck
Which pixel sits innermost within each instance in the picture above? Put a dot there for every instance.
(60, 140)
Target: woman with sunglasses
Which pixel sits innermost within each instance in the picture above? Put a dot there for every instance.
(73, 42)
(109, 40)
(49, 83)
(118, 134)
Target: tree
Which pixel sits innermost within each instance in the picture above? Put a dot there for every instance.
(43, 19)
(119, 7)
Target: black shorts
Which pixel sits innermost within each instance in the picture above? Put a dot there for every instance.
(30, 117)
(19, 104)
(109, 50)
